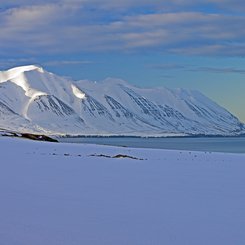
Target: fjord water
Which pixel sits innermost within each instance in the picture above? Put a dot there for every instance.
(209, 144)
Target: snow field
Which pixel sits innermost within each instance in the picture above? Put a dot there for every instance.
(55, 194)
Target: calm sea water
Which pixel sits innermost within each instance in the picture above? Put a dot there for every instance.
(210, 144)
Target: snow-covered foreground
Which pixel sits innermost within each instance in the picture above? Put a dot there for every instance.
(57, 194)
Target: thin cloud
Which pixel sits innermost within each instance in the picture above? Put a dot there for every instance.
(193, 68)
(68, 27)
(67, 62)
(221, 70)
(235, 5)
(168, 67)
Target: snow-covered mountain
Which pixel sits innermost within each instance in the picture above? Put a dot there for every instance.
(36, 101)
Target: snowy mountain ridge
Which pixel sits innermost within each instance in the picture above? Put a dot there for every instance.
(36, 101)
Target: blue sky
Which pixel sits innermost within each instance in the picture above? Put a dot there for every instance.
(174, 43)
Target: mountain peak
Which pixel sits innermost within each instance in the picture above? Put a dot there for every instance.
(17, 71)
(21, 69)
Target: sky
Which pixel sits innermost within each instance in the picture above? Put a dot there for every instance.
(174, 43)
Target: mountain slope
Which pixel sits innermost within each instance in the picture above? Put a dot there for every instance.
(33, 100)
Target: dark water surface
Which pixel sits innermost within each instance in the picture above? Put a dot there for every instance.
(211, 144)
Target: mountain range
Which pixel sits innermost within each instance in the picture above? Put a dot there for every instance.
(36, 101)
